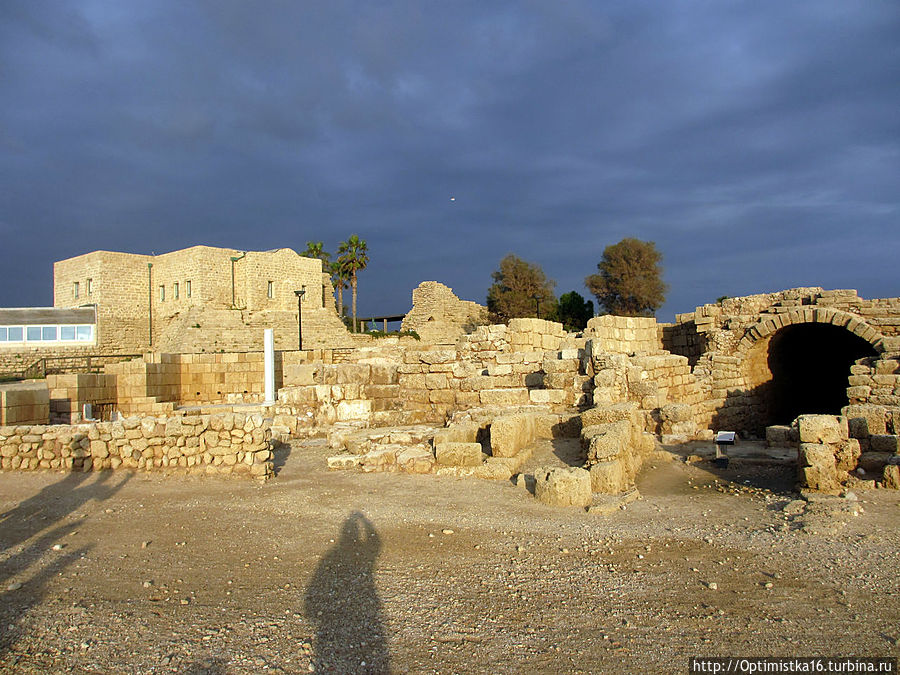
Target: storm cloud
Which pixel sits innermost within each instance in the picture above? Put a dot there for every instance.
(757, 143)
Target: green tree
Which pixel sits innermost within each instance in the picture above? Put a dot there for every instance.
(629, 280)
(339, 280)
(519, 289)
(353, 258)
(574, 311)
(316, 249)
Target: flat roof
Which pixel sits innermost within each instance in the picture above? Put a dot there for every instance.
(31, 316)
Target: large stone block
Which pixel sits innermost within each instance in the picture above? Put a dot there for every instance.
(817, 454)
(610, 413)
(511, 433)
(458, 454)
(884, 443)
(608, 478)
(505, 397)
(822, 428)
(891, 477)
(563, 487)
(614, 438)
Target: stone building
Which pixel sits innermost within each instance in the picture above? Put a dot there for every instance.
(439, 317)
(200, 299)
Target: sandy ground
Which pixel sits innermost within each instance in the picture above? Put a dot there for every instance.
(349, 572)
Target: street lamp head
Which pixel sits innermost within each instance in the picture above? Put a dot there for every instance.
(300, 294)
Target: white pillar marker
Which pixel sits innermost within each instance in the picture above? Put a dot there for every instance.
(269, 355)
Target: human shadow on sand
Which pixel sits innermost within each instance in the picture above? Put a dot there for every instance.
(343, 604)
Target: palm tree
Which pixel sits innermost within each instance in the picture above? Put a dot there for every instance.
(316, 249)
(339, 280)
(353, 257)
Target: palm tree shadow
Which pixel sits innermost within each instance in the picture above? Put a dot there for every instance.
(343, 603)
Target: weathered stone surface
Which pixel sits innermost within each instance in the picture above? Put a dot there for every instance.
(891, 477)
(847, 454)
(563, 487)
(884, 443)
(416, 459)
(610, 413)
(505, 397)
(458, 454)
(511, 433)
(608, 477)
(822, 428)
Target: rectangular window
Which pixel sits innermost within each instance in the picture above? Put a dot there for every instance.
(14, 333)
(3, 333)
(90, 286)
(33, 333)
(187, 287)
(84, 333)
(75, 290)
(48, 332)
(175, 291)
(67, 332)
(270, 290)
(162, 293)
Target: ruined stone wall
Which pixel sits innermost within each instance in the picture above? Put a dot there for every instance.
(69, 393)
(24, 403)
(212, 444)
(439, 317)
(875, 382)
(624, 334)
(17, 359)
(727, 344)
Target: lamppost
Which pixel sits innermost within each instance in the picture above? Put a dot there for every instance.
(537, 303)
(300, 295)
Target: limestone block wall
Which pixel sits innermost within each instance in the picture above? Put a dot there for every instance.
(69, 393)
(826, 453)
(875, 382)
(439, 317)
(24, 403)
(528, 335)
(16, 360)
(654, 382)
(624, 334)
(212, 444)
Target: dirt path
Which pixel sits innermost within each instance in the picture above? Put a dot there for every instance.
(323, 571)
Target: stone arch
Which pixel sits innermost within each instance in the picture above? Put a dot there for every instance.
(798, 362)
(770, 324)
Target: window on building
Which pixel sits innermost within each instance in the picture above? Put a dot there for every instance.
(53, 333)
(270, 290)
(162, 293)
(187, 288)
(75, 290)
(175, 290)
(90, 285)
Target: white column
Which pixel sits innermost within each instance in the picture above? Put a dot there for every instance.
(269, 348)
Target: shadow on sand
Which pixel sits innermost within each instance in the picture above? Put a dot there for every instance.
(343, 604)
(36, 526)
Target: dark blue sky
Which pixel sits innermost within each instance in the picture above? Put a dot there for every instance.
(756, 142)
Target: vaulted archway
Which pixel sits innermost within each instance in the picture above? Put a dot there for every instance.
(798, 363)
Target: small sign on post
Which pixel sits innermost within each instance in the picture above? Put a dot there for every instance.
(723, 438)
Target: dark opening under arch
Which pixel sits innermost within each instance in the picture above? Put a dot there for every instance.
(810, 363)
